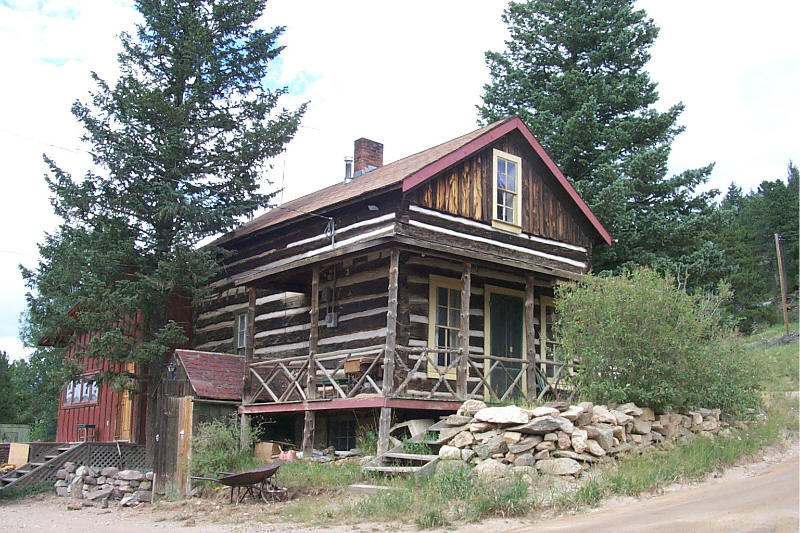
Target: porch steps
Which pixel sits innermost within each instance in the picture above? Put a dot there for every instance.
(37, 472)
(399, 461)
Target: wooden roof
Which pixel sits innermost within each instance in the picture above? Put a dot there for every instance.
(408, 173)
(216, 376)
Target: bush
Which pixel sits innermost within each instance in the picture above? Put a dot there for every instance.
(215, 449)
(639, 338)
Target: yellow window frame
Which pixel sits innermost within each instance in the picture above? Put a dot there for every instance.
(434, 283)
(514, 226)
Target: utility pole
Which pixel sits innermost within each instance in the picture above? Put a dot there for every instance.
(781, 273)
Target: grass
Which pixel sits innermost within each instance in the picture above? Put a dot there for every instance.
(14, 493)
(453, 496)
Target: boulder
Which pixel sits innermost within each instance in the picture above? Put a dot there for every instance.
(579, 438)
(510, 414)
(470, 407)
(629, 409)
(479, 427)
(526, 459)
(495, 445)
(512, 437)
(561, 406)
(547, 445)
(621, 417)
(491, 471)
(604, 436)
(130, 475)
(601, 415)
(594, 448)
(647, 414)
(563, 466)
(486, 435)
(70, 467)
(619, 433)
(552, 437)
(641, 426)
(544, 454)
(457, 420)
(564, 441)
(449, 452)
(566, 453)
(586, 406)
(572, 413)
(149, 476)
(584, 419)
(544, 411)
(467, 454)
(446, 467)
(710, 424)
(109, 471)
(130, 500)
(545, 424)
(462, 440)
(61, 474)
(525, 444)
(98, 493)
(61, 491)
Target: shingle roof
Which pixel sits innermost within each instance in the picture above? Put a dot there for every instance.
(410, 172)
(217, 376)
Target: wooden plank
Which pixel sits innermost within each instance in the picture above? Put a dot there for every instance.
(530, 336)
(311, 385)
(462, 369)
(389, 351)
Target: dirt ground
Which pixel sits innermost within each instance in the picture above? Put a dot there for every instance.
(754, 497)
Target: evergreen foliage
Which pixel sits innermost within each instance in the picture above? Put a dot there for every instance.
(179, 143)
(574, 71)
(748, 224)
(639, 338)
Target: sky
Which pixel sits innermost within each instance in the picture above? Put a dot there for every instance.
(408, 74)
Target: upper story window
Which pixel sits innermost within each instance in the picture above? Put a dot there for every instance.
(81, 391)
(241, 333)
(507, 187)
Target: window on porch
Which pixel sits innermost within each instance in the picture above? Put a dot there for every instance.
(444, 321)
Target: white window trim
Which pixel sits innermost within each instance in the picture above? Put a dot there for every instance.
(238, 332)
(435, 282)
(516, 226)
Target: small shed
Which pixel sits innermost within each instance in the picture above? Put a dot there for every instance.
(15, 433)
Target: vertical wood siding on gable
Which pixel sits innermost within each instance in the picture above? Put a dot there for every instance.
(466, 190)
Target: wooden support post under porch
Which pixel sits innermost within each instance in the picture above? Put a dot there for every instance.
(530, 337)
(244, 426)
(385, 421)
(462, 370)
(311, 384)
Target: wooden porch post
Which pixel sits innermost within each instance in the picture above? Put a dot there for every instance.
(530, 338)
(462, 370)
(249, 348)
(385, 421)
(311, 382)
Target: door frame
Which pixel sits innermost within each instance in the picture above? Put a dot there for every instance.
(487, 331)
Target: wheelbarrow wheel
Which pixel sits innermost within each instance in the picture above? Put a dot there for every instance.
(271, 491)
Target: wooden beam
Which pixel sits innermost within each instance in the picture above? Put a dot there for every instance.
(249, 346)
(462, 370)
(389, 348)
(311, 384)
(530, 337)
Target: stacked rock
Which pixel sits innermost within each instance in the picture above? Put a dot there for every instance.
(559, 438)
(95, 483)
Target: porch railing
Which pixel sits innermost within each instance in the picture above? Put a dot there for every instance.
(419, 373)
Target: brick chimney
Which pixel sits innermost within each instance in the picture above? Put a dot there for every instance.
(367, 154)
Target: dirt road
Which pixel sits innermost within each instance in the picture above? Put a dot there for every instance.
(761, 499)
(755, 497)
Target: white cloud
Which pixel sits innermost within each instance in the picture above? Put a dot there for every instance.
(407, 74)
(14, 348)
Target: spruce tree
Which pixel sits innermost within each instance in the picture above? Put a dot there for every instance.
(180, 142)
(574, 71)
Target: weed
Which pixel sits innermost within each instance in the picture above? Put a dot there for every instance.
(367, 440)
(431, 519)
(16, 493)
(420, 448)
(215, 449)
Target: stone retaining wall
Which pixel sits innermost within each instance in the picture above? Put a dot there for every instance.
(560, 439)
(94, 483)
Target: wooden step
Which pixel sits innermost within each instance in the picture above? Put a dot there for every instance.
(36, 465)
(410, 456)
(392, 469)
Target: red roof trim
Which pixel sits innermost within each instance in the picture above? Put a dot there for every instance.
(473, 146)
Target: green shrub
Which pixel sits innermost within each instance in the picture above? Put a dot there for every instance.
(216, 448)
(639, 338)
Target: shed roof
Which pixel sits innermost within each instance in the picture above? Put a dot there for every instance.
(410, 172)
(217, 376)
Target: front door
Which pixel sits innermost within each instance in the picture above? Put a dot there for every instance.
(505, 340)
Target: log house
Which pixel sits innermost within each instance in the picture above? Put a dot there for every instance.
(406, 289)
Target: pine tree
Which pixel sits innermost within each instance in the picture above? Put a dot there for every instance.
(180, 143)
(574, 71)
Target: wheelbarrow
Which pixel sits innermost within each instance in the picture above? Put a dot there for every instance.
(259, 483)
